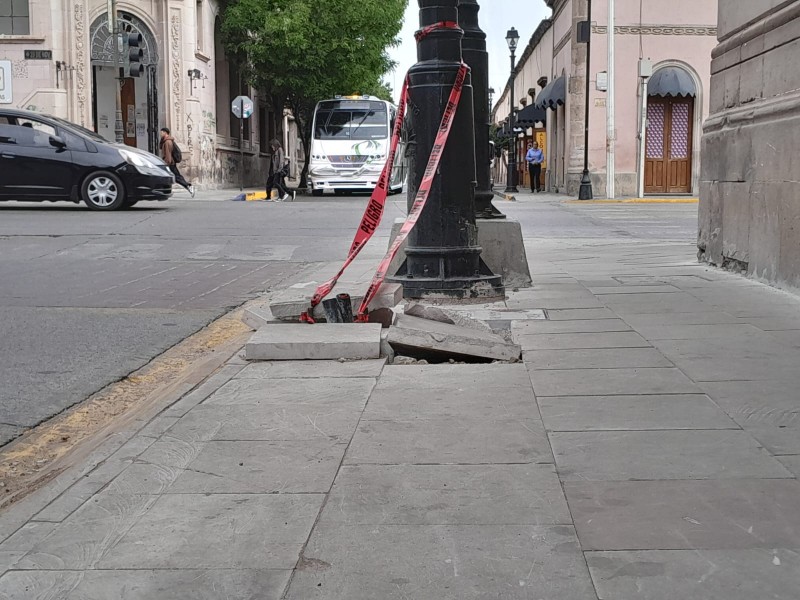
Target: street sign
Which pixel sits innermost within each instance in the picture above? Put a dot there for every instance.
(242, 107)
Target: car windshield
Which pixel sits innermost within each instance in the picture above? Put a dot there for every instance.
(78, 129)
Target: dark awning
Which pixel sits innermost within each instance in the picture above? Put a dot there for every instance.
(530, 115)
(671, 81)
(553, 94)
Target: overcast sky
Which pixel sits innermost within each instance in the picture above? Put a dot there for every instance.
(496, 18)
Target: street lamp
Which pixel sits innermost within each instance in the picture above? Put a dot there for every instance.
(512, 37)
(491, 97)
(585, 191)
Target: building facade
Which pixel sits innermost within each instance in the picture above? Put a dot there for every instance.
(661, 81)
(59, 57)
(750, 191)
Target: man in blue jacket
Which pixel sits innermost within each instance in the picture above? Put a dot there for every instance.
(535, 158)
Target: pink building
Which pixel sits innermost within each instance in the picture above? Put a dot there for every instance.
(662, 72)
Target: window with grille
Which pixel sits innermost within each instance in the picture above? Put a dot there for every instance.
(14, 17)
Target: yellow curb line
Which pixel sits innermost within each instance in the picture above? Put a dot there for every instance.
(638, 201)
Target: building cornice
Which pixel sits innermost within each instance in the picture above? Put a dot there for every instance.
(701, 30)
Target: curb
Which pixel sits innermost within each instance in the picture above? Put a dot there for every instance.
(507, 197)
(638, 201)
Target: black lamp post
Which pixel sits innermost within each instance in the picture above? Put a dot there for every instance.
(585, 192)
(443, 258)
(512, 38)
(491, 97)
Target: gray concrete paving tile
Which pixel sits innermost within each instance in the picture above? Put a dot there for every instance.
(25, 538)
(595, 358)
(730, 359)
(773, 323)
(635, 413)
(770, 402)
(678, 302)
(310, 418)
(82, 539)
(675, 515)
(219, 531)
(792, 463)
(574, 326)
(564, 301)
(468, 391)
(172, 452)
(787, 338)
(707, 317)
(447, 495)
(633, 289)
(318, 369)
(699, 332)
(450, 440)
(680, 454)
(706, 574)
(780, 440)
(261, 468)
(610, 382)
(205, 389)
(69, 501)
(144, 478)
(241, 584)
(576, 341)
(253, 391)
(571, 314)
(443, 562)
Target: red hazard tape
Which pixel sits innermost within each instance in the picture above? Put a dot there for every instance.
(377, 202)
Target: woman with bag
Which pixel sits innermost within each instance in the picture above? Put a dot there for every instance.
(278, 170)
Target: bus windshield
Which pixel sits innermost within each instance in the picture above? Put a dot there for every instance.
(351, 120)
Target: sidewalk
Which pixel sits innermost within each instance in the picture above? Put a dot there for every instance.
(648, 447)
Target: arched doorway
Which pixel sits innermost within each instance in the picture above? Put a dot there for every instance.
(140, 114)
(671, 93)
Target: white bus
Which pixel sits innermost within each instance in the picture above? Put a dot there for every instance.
(350, 144)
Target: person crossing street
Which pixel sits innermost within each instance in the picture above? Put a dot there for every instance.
(171, 155)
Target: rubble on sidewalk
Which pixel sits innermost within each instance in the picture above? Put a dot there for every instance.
(416, 336)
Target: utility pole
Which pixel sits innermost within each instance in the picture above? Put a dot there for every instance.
(610, 126)
(113, 27)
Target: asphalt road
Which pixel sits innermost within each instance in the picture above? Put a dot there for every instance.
(86, 298)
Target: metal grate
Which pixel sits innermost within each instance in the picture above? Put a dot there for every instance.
(655, 130)
(679, 144)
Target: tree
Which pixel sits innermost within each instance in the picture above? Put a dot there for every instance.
(299, 52)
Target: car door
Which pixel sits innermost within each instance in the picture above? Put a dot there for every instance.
(34, 165)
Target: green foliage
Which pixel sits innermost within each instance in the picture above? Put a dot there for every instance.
(298, 52)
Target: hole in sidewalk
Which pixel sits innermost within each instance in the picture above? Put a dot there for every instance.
(415, 356)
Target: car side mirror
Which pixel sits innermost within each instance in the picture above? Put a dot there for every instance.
(57, 142)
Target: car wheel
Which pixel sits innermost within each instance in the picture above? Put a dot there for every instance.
(316, 192)
(103, 191)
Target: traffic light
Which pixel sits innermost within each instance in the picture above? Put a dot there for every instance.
(135, 54)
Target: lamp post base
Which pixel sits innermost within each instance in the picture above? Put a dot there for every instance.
(585, 192)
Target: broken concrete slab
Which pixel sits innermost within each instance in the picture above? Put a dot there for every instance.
(289, 304)
(444, 315)
(420, 336)
(323, 341)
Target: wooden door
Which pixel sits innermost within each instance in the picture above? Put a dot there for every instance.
(668, 146)
(128, 95)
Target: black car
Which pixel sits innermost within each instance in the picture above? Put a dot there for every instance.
(47, 158)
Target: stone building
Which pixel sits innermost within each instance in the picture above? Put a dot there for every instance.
(675, 38)
(57, 56)
(750, 191)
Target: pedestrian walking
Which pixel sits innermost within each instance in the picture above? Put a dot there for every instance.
(278, 170)
(172, 156)
(535, 158)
